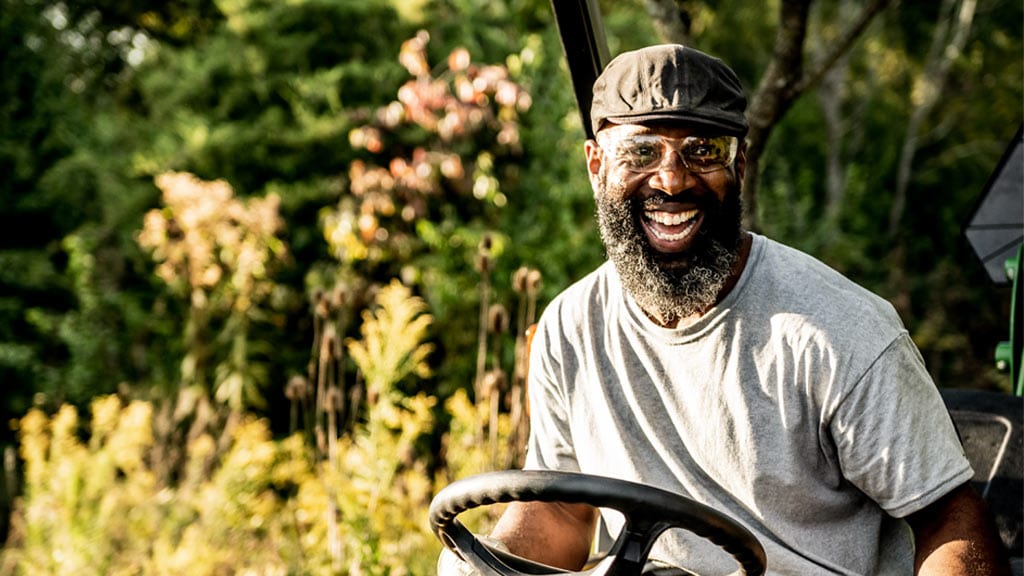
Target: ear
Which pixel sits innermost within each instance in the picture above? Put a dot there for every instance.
(740, 164)
(595, 157)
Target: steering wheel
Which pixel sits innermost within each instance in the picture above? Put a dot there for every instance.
(647, 511)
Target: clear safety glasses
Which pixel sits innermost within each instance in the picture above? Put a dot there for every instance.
(646, 153)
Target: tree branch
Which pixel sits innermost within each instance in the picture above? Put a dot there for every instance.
(841, 46)
(948, 41)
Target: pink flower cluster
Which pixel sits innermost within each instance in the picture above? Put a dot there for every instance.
(469, 112)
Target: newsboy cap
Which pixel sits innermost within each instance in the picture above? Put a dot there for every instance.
(669, 82)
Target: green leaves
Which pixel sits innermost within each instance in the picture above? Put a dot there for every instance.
(391, 348)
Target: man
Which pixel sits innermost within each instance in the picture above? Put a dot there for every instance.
(718, 364)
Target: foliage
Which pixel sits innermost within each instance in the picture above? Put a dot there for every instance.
(218, 254)
(35, 135)
(94, 502)
(94, 506)
(383, 524)
(433, 184)
(99, 99)
(390, 349)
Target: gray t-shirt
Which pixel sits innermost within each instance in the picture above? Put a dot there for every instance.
(798, 406)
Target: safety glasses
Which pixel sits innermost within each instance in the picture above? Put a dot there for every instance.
(646, 153)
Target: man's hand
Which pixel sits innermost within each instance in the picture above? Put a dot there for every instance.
(449, 564)
(956, 536)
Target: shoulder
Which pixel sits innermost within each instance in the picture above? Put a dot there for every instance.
(580, 312)
(809, 287)
(801, 303)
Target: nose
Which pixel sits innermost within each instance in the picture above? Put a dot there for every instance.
(672, 176)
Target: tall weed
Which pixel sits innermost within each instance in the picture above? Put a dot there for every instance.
(96, 503)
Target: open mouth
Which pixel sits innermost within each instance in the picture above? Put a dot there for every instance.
(670, 231)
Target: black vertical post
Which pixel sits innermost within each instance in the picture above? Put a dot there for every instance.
(586, 49)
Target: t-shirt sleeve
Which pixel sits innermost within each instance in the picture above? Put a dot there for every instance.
(894, 437)
(550, 444)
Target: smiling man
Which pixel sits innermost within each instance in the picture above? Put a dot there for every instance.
(673, 234)
(718, 364)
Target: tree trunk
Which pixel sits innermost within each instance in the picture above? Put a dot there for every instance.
(774, 95)
(785, 80)
(831, 99)
(671, 21)
(947, 45)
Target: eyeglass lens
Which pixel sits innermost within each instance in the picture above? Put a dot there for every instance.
(646, 152)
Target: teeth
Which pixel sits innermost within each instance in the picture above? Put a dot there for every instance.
(672, 219)
(669, 237)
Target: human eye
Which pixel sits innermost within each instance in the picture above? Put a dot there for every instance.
(640, 152)
(709, 153)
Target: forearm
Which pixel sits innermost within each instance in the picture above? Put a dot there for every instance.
(956, 536)
(551, 533)
(959, 558)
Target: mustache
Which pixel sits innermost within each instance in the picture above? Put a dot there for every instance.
(657, 200)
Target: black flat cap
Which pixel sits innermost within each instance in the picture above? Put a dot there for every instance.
(669, 82)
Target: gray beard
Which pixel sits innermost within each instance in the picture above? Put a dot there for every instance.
(670, 287)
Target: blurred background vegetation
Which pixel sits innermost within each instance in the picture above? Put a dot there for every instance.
(265, 266)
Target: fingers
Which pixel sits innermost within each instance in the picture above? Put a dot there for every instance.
(448, 564)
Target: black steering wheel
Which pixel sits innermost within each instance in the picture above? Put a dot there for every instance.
(648, 512)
